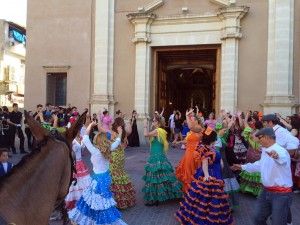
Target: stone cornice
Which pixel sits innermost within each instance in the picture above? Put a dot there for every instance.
(223, 2)
(140, 16)
(232, 15)
(142, 22)
(151, 6)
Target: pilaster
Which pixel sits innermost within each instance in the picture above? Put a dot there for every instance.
(230, 35)
(279, 94)
(102, 81)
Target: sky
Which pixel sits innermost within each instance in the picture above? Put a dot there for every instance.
(14, 11)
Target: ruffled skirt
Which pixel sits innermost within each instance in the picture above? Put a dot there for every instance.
(83, 181)
(250, 183)
(96, 205)
(160, 181)
(205, 203)
(122, 188)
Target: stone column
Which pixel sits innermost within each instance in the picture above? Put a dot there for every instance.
(231, 33)
(279, 94)
(142, 23)
(102, 79)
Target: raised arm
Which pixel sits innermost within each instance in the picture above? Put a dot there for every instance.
(192, 124)
(162, 111)
(100, 127)
(117, 142)
(146, 130)
(86, 140)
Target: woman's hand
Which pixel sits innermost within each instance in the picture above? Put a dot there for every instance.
(120, 130)
(188, 112)
(207, 177)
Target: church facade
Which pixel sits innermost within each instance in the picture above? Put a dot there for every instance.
(152, 54)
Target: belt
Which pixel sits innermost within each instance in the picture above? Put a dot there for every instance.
(277, 189)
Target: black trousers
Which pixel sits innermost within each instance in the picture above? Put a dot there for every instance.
(13, 131)
(29, 137)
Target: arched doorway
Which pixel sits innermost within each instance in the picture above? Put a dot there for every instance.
(186, 77)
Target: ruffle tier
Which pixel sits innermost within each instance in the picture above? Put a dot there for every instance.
(96, 205)
(205, 203)
(121, 187)
(160, 182)
(75, 191)
(83, 181)
(90, 217)
(250, 183)
(124, 195)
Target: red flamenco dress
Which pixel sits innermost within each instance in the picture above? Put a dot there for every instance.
(205, 202)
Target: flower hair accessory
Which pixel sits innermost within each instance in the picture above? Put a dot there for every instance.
(208, 131)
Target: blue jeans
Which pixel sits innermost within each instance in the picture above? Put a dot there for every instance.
(275, 204)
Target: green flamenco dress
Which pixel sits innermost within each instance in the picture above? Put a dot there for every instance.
(251, 182)
(121, 186)
(161, 183)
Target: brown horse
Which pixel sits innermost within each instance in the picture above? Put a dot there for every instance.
(39, 183)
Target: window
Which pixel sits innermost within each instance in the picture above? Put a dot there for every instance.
(57, 88)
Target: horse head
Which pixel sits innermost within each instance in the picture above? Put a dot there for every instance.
(66, 138)
(39, 133)
(71, 132)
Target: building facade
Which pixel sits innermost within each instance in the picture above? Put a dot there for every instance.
(12, 63)
(150, 54)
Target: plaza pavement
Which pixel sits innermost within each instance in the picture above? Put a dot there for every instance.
(164, 213)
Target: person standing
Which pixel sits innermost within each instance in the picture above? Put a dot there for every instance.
(205, 201)
(133, 138)
(96, 205)
(4, 128)
(275, 167)
(121, 186)
(15, 118)
(160, 181)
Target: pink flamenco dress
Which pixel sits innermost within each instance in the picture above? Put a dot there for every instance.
(83, 179)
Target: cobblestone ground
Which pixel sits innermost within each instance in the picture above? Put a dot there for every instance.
(164, 213)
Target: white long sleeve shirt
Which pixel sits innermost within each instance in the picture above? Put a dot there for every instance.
(274, 172)
(285, 139)
(77, 147)
(100, 163)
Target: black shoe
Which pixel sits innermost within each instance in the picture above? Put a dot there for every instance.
(23, 152)
(152, 203)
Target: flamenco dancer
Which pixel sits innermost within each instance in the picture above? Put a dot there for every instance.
(123, 190)
(83, 179)
(251, 182)
(160, 181)
(96, 206)
(205, 201)
(231, 185)
(189, 163)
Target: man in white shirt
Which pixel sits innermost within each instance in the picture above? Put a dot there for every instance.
(283, 137)
(274, 166)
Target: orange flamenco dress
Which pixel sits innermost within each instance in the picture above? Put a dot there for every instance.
(190, 162)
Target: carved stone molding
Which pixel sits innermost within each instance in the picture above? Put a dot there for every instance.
(102, 99)
(233, 15)
(151, 6)
(142, 24)
(56, 69)
(223, 2)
